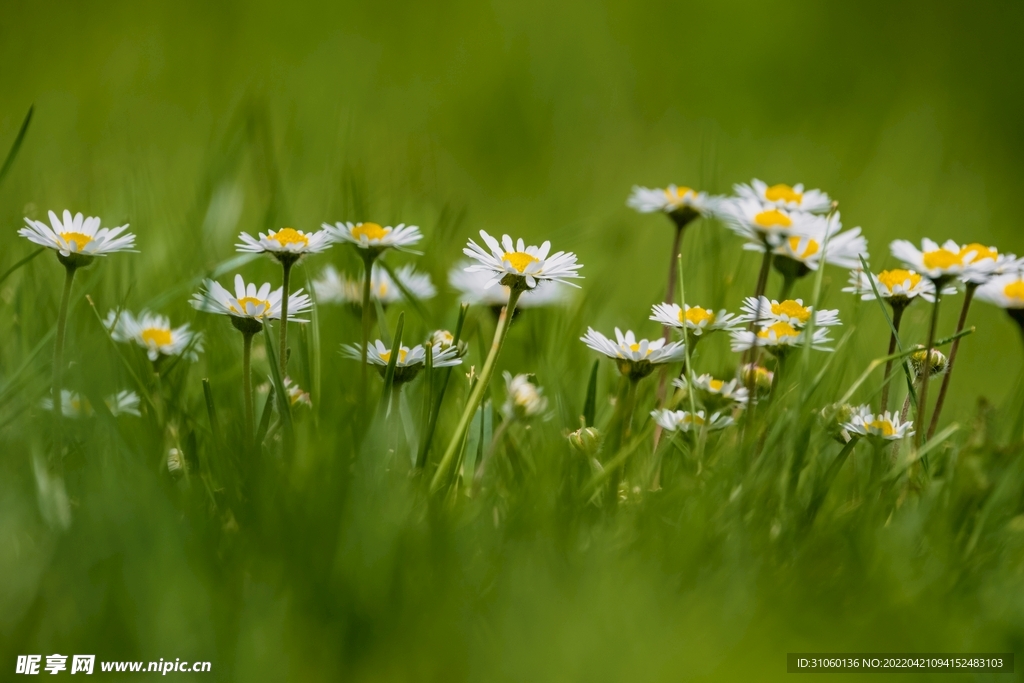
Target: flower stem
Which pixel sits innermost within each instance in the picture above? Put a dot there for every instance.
(670, 291)
(788, 281)
(283, 357)
(897, 316)
(58, 356)
(762, 282)
(477, 394)
(968, 296)
(247, 385)
(367, 282)
(922, 395)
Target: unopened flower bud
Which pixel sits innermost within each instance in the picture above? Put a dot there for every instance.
(832, 418)
(937, 366)
(586, 440)
(760, 377)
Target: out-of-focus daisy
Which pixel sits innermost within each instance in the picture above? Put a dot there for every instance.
(516, 265)
(897, 286)
(789, 197)
(249, 303)
(765, 224)
(336, 288)
(801, 253)
(410, 360)
(685, 421)
(682, 204)
(374, 237)
(78, 236)
(285, 244)
(779, 337)
(884, 427)
(694, 319)
(758, 376)
(74, 404)
(715, 392)
(941, 263)
(478, 287)
(154, 333)
(635, 358)
(1005, 291)
(296, 395)
(986, 263)
(443, 340)
(790, 311)
(525, 397)
(937, 365)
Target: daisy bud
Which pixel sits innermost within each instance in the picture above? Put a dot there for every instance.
(586, 441)
(938, 365)
(759, 376)
(175, 462)
(833, 419)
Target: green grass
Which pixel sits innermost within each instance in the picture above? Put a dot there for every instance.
(331, 562)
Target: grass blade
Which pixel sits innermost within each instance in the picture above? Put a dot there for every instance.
(16, 146)
(590, 403)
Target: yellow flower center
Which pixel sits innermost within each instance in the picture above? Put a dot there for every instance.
(942, 258)
(156, 335)
(981, 252)
(636, 347)
(288, 236)
(884, 426)
(402, 353)
(519, 259)
(690, 418)
(1015, 290)
(810, 250)
(677, 196)
(892, 278)
(780, 329)
(792, 310)
(78, 238)
(382, 290)
(716, 384)
(245, 301)
(783, 193)
(773, 219)
(371, 231)
(695, 315)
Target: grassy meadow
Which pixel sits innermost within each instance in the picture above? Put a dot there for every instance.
(322, 554)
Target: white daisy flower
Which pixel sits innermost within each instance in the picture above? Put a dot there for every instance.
(336, 288)
(78, 235)
(410, 360)
(695, 319)
(478, 287)
(779, 337)
(286, 243)
(1005, 291)
(75, 405)
(375, 237)
(154, 333)
(296, 395)
(986, 263)
(765, 224)
(684, 421)
(249, 302)
(636, 358)
(789, 197)
(897, 286)
(682, 203)
(791, 311)
(942, 263)
(716, 391)
(884, 427)
(843, 249)
(525, 398)
(516, 264)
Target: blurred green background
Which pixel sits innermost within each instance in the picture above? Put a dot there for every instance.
(194, 120)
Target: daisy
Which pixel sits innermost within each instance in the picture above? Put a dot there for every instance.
(78, 236)
(333, 287)
(75, 405)
(410, 360)
(765, 224)
(1005, 291)
(897, 286)
(374, 237)
(802, 252)
(521, 267)
(683, 204)
(525, 398)
(154, 333)
(635, 358)
(716, 391)
(684, 421)
(476, 287)
(249, 304)
(779, 337)
(941, 263)
(986, 263)
(287, 244)
(695, 319)
(884, 427)
(296, 396)
(789, 197)
(790, 311)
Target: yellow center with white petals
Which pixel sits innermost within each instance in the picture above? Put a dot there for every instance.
(981, 252)
(382, 290)
(773, 218)
(792, 310)
(896, 277)
(716, 385)
(883, 426)
(941, 259)
(520, 260)
(287, 236)
(809, 250)
(679, 194)
(402, 353)
(245, 301)
(158, 336)
(1015, 291)
(781, 331)
(636, 347)
(693, 419)
(78, 238)
(783, 193)
(695, 315)
(371, 231)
